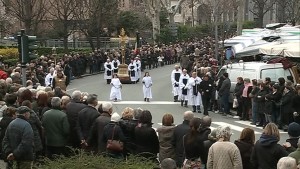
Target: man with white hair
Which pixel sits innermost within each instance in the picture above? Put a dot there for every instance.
(287, 163)
(49, 78)
(175, 77)
(57, 129)
(96, 135)
(177, 139)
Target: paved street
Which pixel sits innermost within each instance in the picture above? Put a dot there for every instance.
(161, 103)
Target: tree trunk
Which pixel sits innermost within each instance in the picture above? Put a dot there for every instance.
(171, 18)
(240, 16)
(27, 24)
(66, 33)
(260, 20)
(156, 25)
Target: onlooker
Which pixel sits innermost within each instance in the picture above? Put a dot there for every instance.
(246, 99)
(179, 132)
(223, 154)
(261, 101)
(285, 108)
(296, 153)
(18, 140)
(238, 91)
(212, 138)
(294, 134)
(72, 110)
(204, 129)
(287, 163)
(193, 145)
(245, 145)
(296, 105)
(224, 94)
(86, 118)
(165, 134)
(57, 129)
(266, 145)
(146, 140)
(168, 163)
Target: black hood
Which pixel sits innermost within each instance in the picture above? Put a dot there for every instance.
(266, 140)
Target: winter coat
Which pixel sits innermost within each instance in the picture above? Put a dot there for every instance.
(72, 110)
(19, 140)
(225, 87)
(56, 125)
(206, 145)
(245, 150)
(177, 141)
(166, 149)
(3, 126)
(108, 131)
(146, 140)
(238, 90)
(36, 125)
(86, 118)
(96, 135)
(128, 127)
(261, 101)
(286, 109)
(193, 146)
(266, 153)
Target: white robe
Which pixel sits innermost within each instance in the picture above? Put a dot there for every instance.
(147, 83)
(138, 67)
(106, 69)
(115, 91)
(175, 90)
(182, 86)
(193, 99)
(48, 80)
(113, 65)
(135, 77)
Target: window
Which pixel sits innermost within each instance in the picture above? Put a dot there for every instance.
(276, 73)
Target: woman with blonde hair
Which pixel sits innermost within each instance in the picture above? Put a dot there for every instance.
(245, 145)
(165, 134)
(267, 152)
(128, 125)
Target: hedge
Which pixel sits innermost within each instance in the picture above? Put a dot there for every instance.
(88, 161)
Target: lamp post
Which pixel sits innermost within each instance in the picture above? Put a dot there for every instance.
(54, 54)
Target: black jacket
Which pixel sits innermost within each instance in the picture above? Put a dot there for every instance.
(206, 145)
(108, 131)
(146, 141)
(206, 87)
(193, 148)
(245, 150)
(238, 90)
(179, 132)
(72, 110)
(128, 128)
(267, 152)
(225, 87)
(86, 118)
(3, 126)
(261, 102)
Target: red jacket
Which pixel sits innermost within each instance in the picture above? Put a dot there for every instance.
(3, 75)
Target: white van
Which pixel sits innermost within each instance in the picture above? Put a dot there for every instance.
(256, 70)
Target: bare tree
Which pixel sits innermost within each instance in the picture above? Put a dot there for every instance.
(293, 11)
(6, 21)
(95, 15)
(172, 10)
(261, 7)
(62, 12)
(29, 12)
(153, 8)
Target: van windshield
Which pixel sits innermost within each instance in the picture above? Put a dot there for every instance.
(275, 73)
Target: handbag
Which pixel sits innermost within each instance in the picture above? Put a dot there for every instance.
(235, 103)
(114, 145)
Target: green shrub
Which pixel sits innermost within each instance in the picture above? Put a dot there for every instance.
(48, 51)
(88, 161)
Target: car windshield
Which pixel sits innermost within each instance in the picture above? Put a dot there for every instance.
(275, 73)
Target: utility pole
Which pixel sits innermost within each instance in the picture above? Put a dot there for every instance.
(215, 16)
(23, 62)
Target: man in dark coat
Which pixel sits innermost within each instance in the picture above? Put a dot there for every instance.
(95, 138)
(18, 140)
(206, 87)
(224, 93)
(179, 132)
(72, 110)
(86, 118)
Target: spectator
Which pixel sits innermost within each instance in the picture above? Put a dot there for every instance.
(3, 74)
(146, 140)
(253, 96)
(223, 154)
(261, 101)
(245, 145)
(287, 163)
(42, 103)
(267, 152)
(296, 154)
(60, 80)
(204, 129)
(18, 140)
(96, 134)
(193, 145)
(296, 105)
(285, 107)
(168, 163)
(57, 128)
(224, 94)
(177, 140)
(165, 134)
(86, 118)
(112, 131)
(294, 134)
(64, 101)
(212, 138)
(272, 99)
(238, 91)
(246, 100)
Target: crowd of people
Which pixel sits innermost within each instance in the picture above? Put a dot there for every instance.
(41, 120)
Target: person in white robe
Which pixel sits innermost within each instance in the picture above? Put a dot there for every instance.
(133, 72)
(116, 86)
(175, 76)
(49, 78)
(183, 81)
(138, 64)
(115, 64)
(147, 84)
(108, 68)
(194, 92)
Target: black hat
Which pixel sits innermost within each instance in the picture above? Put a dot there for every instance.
(294, 129)
(23, 109)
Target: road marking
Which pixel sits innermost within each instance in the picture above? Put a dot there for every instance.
(247, 123)
(145, 103)
(233, 127)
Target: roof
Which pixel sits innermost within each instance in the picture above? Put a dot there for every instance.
(252, 65)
